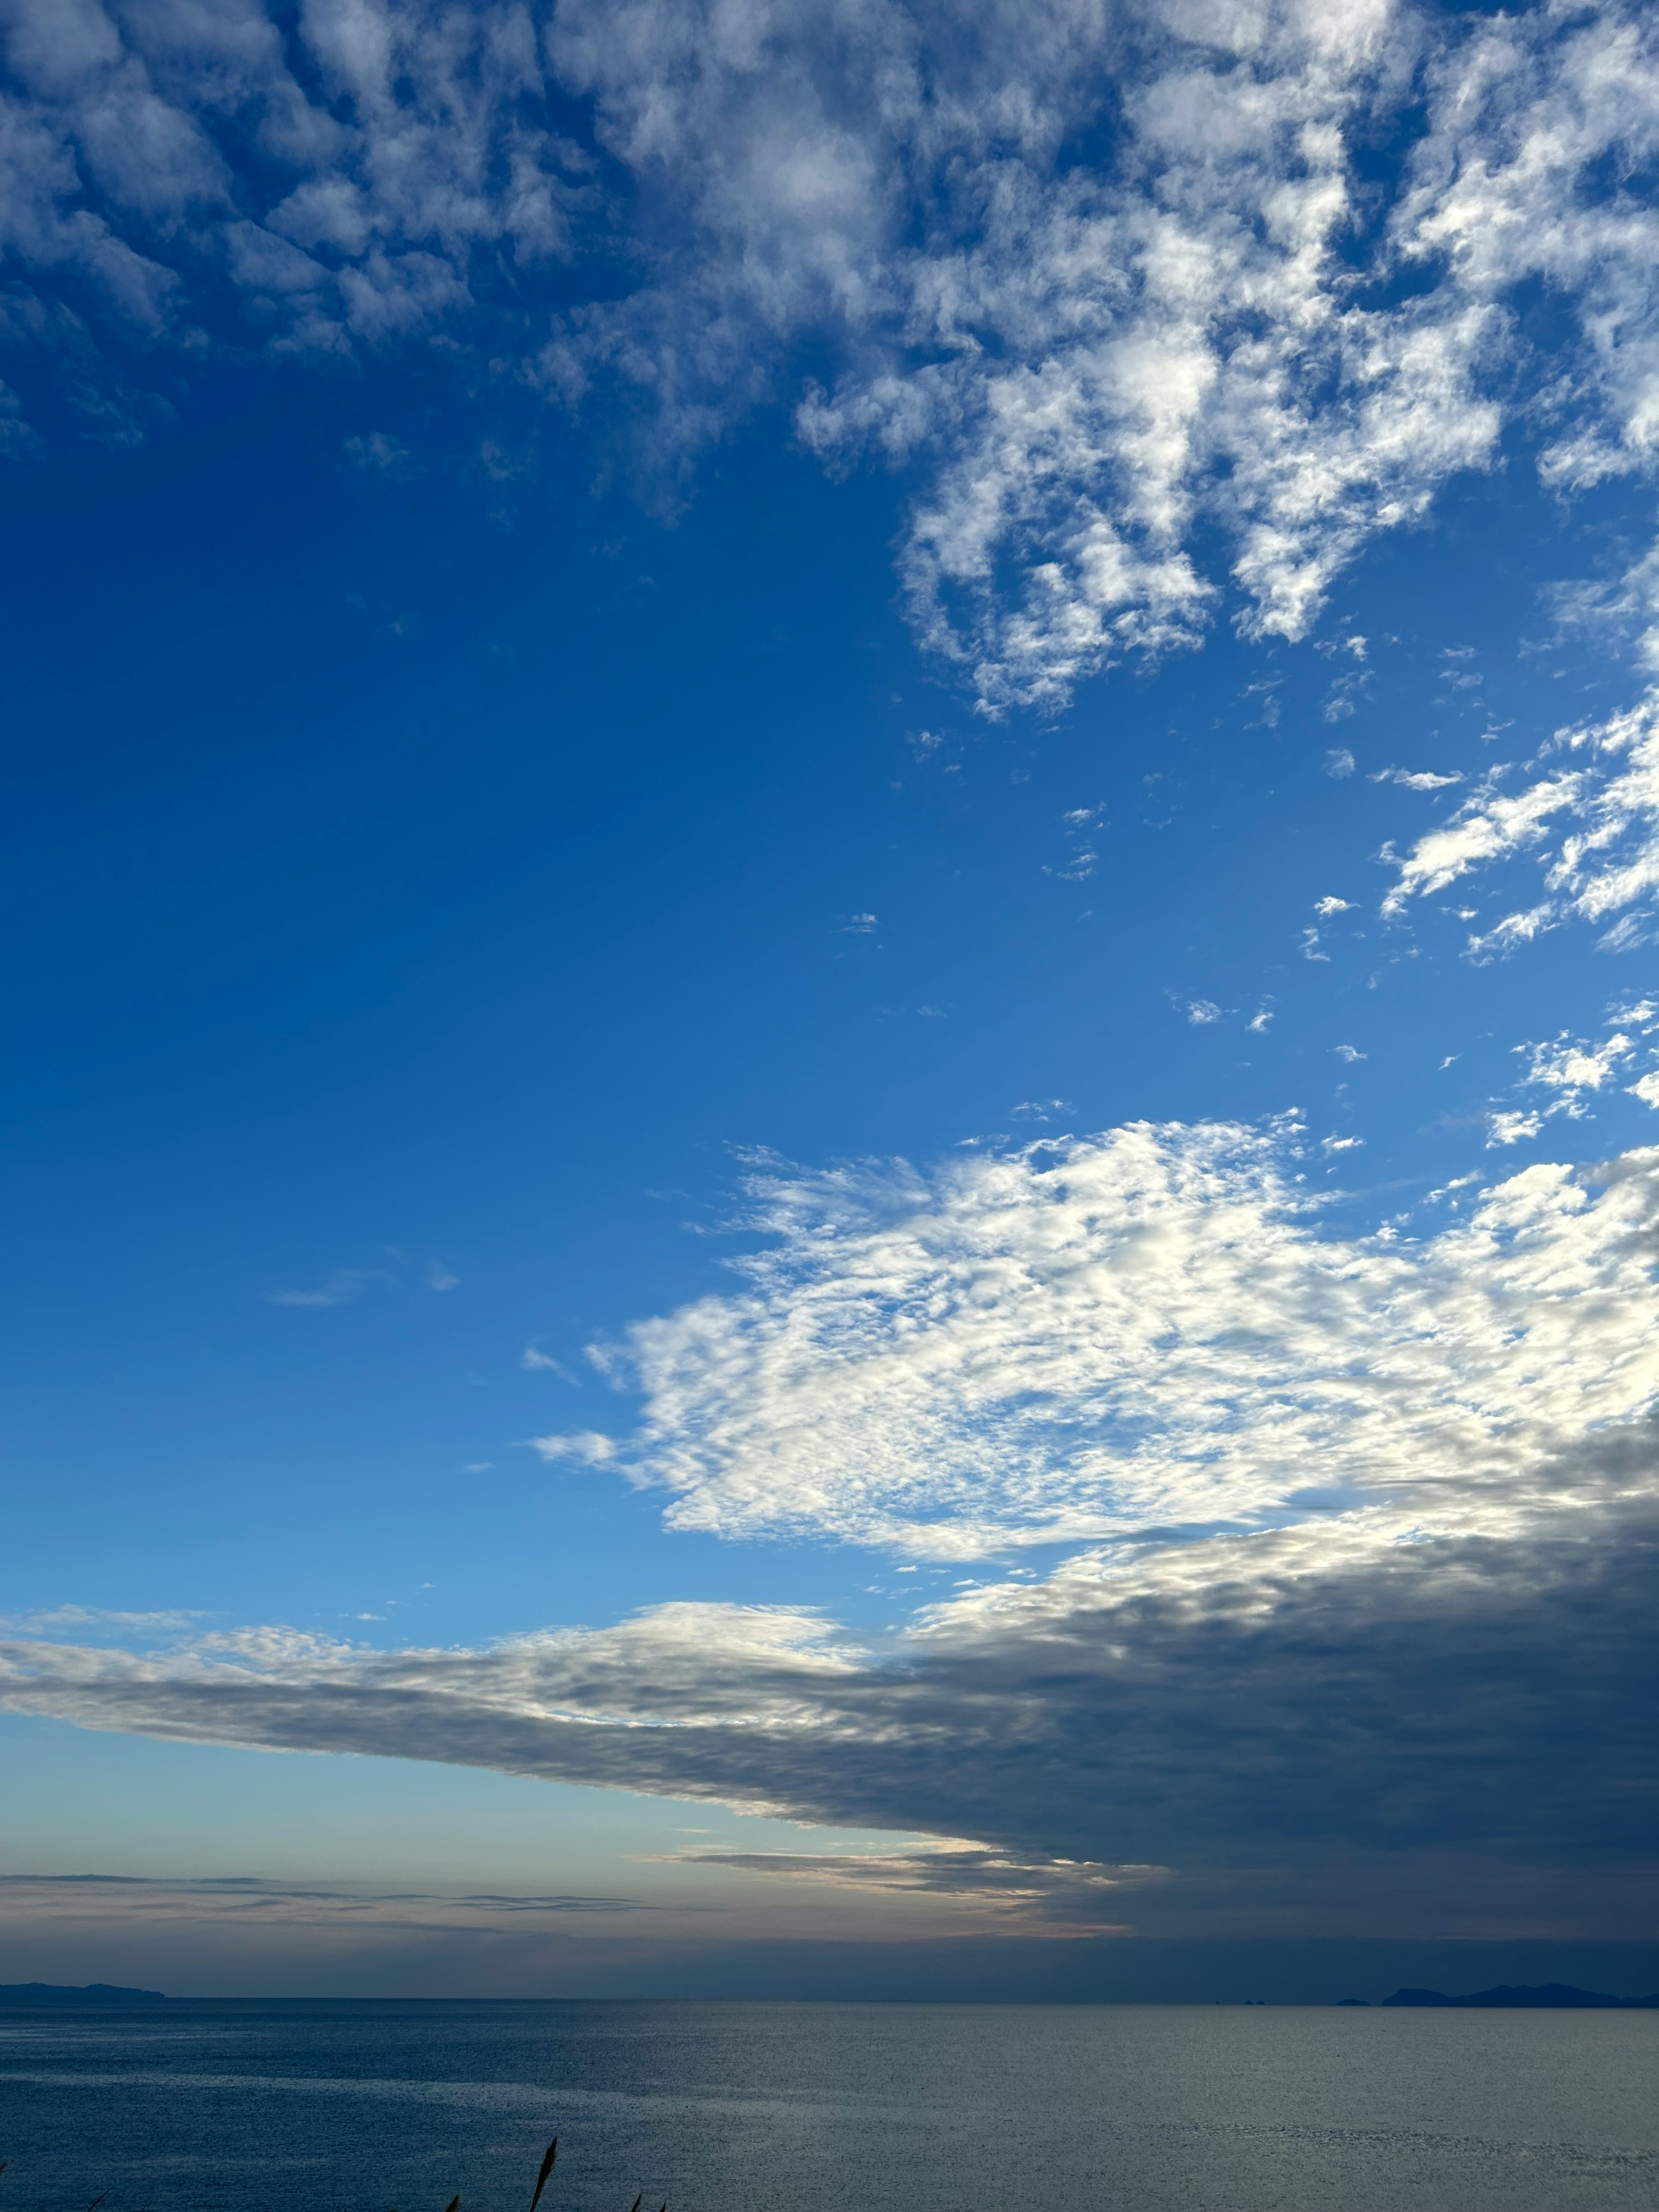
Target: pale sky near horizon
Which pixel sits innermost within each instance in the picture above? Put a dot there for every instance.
(834, 1024)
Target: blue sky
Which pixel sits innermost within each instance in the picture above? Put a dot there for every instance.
(831, 880)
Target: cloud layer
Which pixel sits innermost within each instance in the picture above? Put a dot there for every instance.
(1409, 1687)
(1143, 298)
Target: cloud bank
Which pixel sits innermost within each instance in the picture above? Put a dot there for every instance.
(1150, 302)
(1359, 1635)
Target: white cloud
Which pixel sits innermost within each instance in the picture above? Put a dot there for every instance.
(1510, 1127)
(1326, 907)
(1340, 761)
(1200, 1012)
(1415, 778)
(1084, 1339)
(1574, 1064)
(586, 1446)
(1091, 368)
(1593, 827)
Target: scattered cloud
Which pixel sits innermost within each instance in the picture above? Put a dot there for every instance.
(1338, 761)
(1097, 371)
(1200, 1012)
(1589, 818)
(379, 454)
(1415, 778)
(586, 1446)
(1327, 906)
(1510, 1126)
(1573, 1065)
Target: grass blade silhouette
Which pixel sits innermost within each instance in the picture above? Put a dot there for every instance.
(547, 2168)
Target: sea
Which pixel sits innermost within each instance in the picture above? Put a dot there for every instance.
(308, 2106)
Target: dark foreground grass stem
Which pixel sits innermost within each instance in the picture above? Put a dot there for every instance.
(547, 2168)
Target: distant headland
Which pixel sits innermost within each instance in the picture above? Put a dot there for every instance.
(94, 1993)
(1547, 1996)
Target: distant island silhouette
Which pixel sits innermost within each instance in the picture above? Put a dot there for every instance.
(95, 1993)
(1547, 1996)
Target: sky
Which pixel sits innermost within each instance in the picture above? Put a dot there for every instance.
(832, 880)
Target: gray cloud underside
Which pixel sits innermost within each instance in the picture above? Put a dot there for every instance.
(1107, 280)
(1468, 1719)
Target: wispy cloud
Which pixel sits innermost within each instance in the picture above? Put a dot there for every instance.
(1078, 1894)
(1588, 816)
(585, 1446)
(344, 1286)
(227, 1901)
(184, 1621)
(341, 1286)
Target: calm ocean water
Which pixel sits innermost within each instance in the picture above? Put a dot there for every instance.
(319, 2107)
